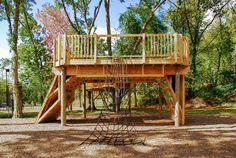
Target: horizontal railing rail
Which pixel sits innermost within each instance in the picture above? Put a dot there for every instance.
(144, 46)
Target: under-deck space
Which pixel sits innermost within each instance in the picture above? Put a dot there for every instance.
(82, 59)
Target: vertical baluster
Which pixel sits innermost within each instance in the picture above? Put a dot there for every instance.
(76, 46)
(85, 53)
(155, 43)
(172, 44)
(87, 46)
(164, 45)
(81, 46)
(160, 45)
(151, 44)
(73, 46)
(91, 46)
(77, 54)
(168, 44)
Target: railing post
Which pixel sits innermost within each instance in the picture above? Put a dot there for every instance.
(95, 49)
(143, 51)
(54, 52)
(182, 48)
(64, 50)
(59, 50)
(176, 46)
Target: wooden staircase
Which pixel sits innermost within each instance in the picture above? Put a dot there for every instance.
(168, 94)
(52, 106)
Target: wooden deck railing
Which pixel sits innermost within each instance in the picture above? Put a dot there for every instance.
(88, 49)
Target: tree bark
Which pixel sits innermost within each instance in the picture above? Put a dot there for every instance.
(16, 86)
(220, 54)
(107, 8)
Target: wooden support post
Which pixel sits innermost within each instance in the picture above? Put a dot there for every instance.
(129, 101)
(63, 97)
(177, 90)
(92, 101)
(135, 96)
(160, 96)
(84, 104)
(182, 98)
(80, 96)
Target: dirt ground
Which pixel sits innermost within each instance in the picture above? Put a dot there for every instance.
(203, 136)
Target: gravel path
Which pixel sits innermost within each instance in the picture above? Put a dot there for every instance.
(203, 136)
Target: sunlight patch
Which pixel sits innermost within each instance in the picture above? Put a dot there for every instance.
(11, 137)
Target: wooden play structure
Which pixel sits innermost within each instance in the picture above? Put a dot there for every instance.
(81, 59)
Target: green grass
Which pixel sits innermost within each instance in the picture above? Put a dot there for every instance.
(147, 111)
(221, 110)
(4, 114)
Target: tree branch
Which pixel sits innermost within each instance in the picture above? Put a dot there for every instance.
(68, 17)
(75, 15)
(219, 11)
(95, 14)
(149, 18)
(8, 15)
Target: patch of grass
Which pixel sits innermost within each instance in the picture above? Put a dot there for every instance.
(147, 111)
(4, 114)
(226, 109)
(30, 114)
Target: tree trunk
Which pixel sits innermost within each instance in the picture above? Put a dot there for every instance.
(194, 70)
(16, 86)
(220, 54)
(107, 8)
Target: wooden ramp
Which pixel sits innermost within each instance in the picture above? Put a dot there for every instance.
(52, 106)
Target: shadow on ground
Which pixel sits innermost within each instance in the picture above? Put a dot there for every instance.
(205, 136)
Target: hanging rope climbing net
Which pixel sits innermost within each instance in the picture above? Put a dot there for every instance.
(115, 126)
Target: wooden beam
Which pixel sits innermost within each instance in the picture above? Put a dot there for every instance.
(182, 96)
(177, 90)
(63, 97)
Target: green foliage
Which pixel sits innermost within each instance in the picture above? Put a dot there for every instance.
(132, 20)
(34, 60)
(148, 93)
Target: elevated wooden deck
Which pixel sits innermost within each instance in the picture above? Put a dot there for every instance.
(82, 59)
(155, 56)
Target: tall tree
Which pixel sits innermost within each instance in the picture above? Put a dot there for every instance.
(81, 14)
(12, 11)
(194, 18)
(33, 58)
(108, 24)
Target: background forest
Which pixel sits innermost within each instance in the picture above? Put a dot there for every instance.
(210, 26)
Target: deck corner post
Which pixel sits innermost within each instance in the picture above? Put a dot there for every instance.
(95, 49)
(63, 96)
(54, 52)
(176, 46)
(177, 94)
(182, 99)
(59, 50)
(143, 50)
(64, 50)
